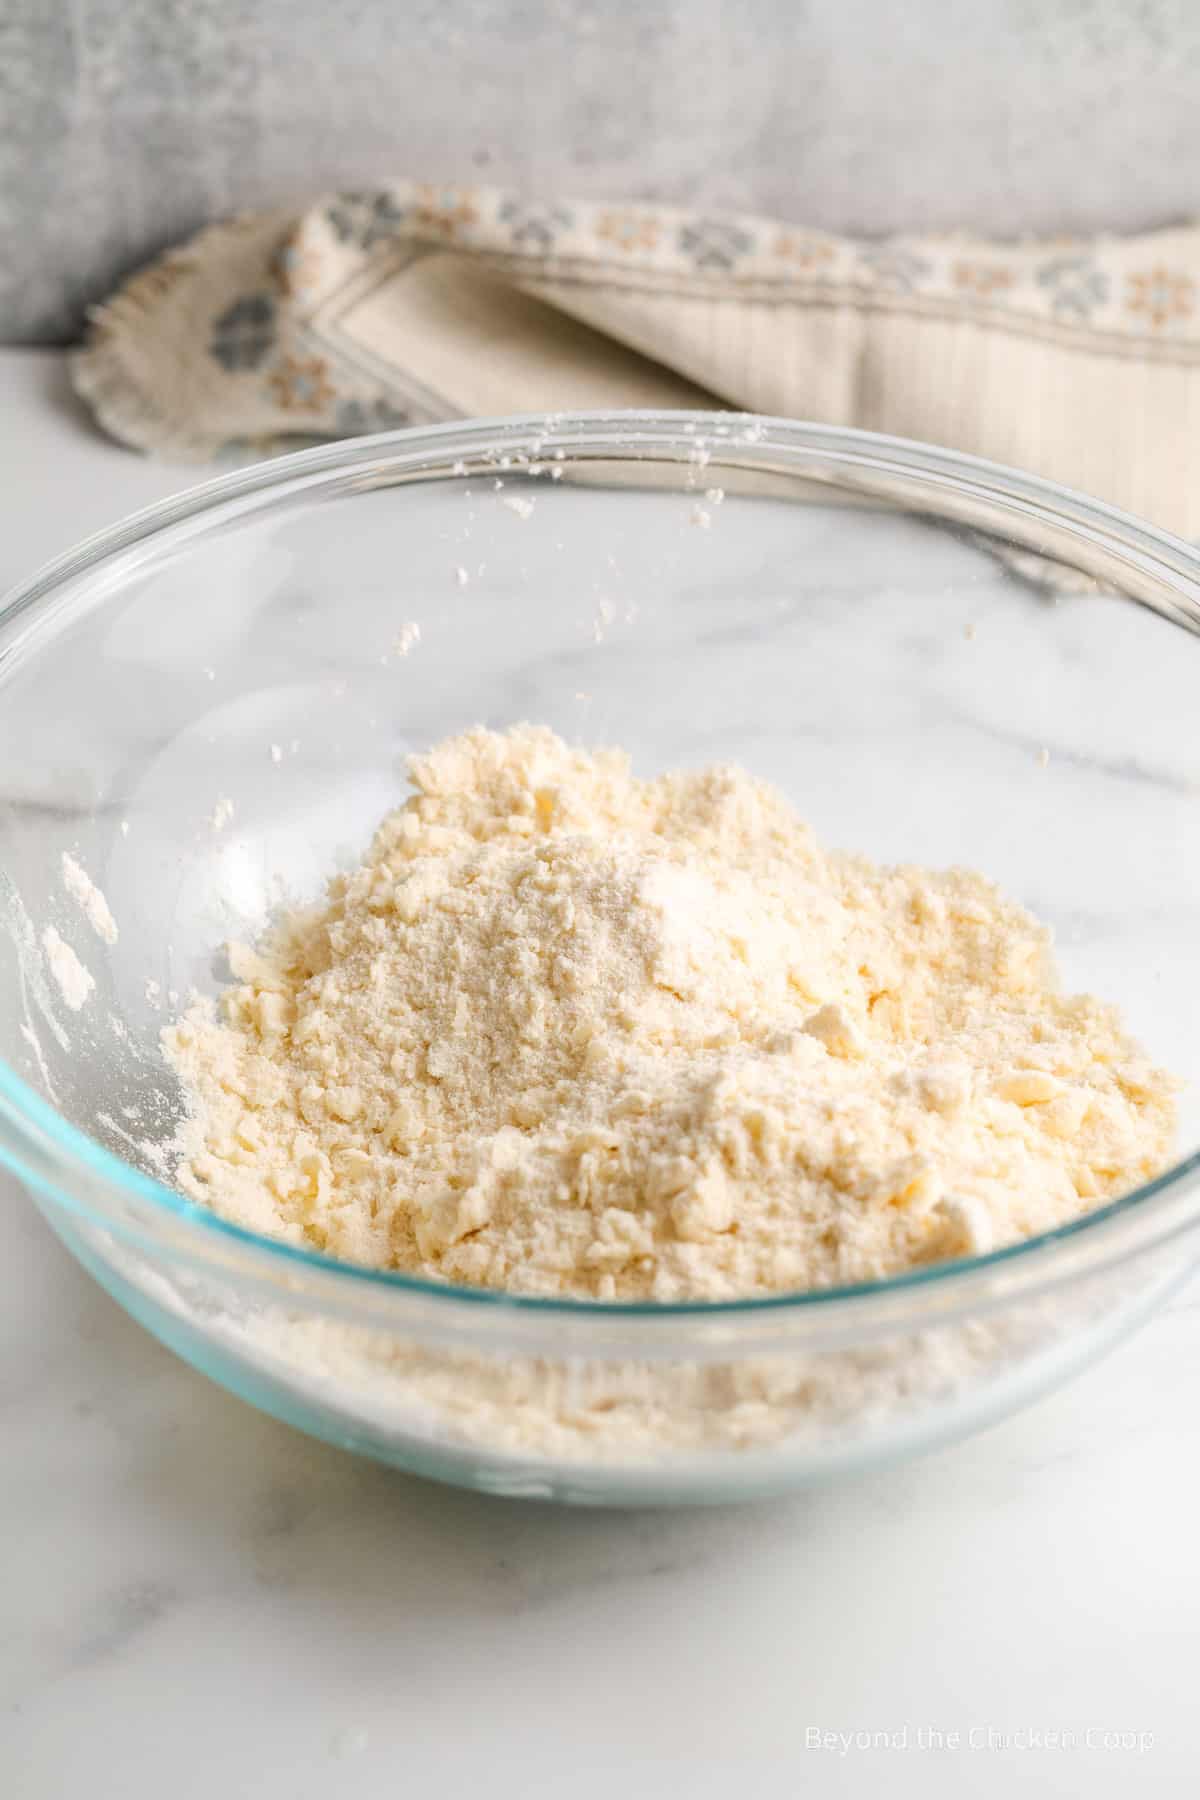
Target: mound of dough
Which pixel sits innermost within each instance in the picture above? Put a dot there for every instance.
(567, 1032)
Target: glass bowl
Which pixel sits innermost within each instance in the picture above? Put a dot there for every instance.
(937, 659)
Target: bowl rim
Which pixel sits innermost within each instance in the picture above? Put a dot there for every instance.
(74, 1170)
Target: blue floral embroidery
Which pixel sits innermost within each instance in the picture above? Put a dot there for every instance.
(714, 243)
(1074, 285)
(244, 335)
(533, 225)
(365, 219)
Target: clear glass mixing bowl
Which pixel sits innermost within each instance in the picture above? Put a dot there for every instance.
(208, 707)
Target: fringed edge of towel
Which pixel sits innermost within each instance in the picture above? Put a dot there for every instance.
(104, 371)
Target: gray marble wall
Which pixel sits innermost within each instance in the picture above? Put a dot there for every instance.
(126, 123)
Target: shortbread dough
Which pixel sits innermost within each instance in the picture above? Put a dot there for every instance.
(569, 1032)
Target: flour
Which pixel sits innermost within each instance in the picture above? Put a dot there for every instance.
(87, 896)
(75, 983)
(565, 1032)
(39, 1056)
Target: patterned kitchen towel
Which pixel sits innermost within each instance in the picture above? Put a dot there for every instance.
(1078, 360)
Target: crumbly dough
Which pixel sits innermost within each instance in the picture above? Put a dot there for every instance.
(567, 1032)
(75, 982)
(88, 898)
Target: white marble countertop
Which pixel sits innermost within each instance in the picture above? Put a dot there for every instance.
(197, 1600)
